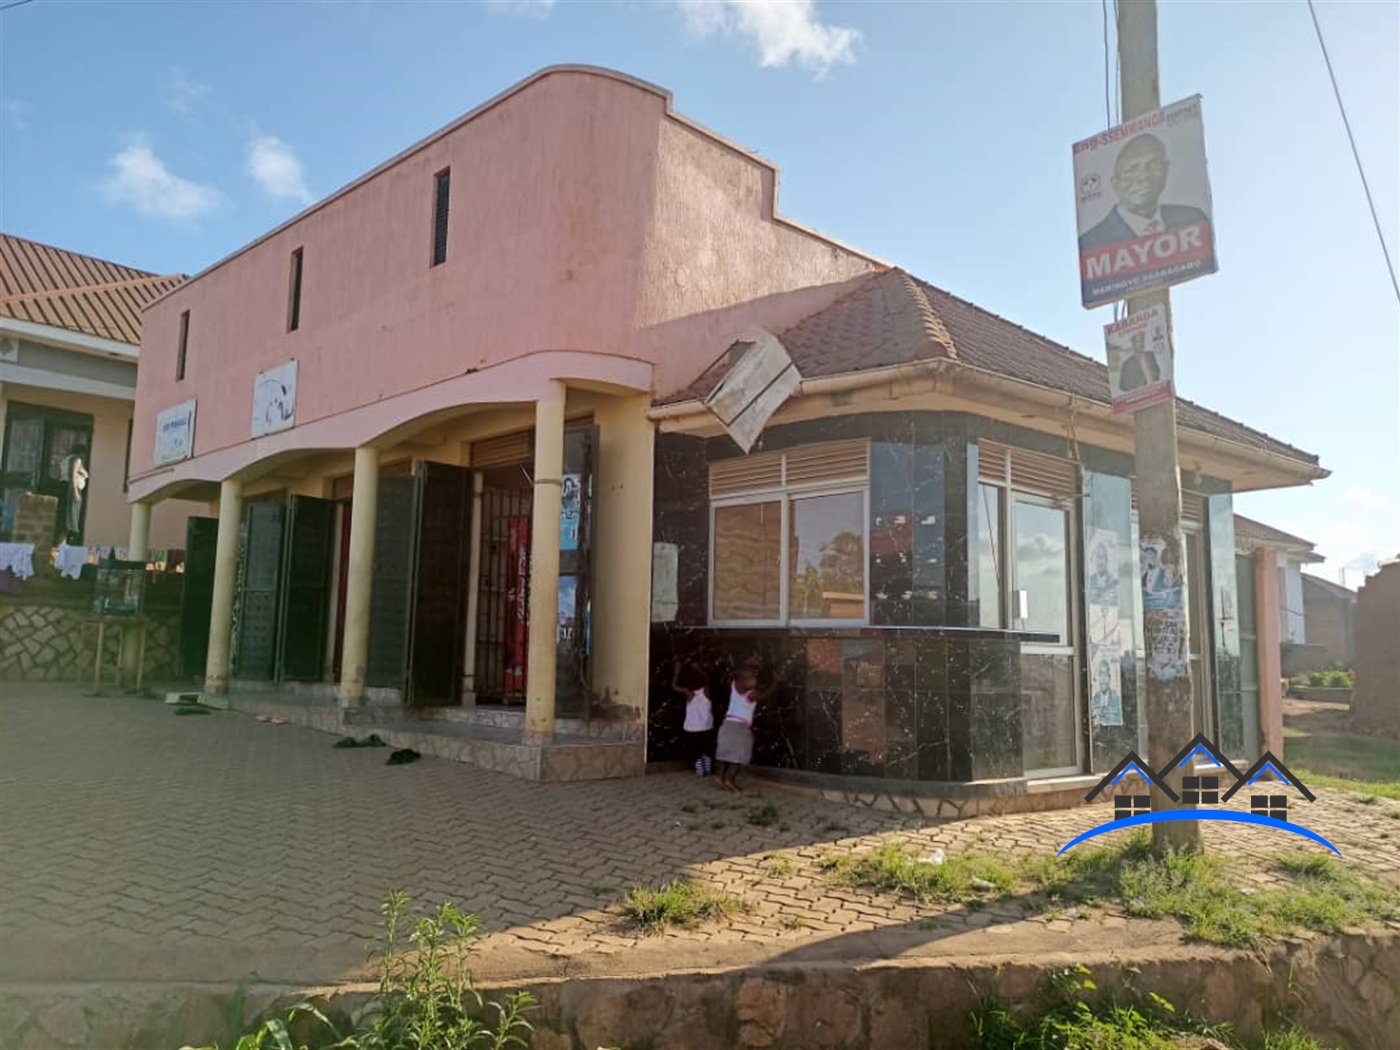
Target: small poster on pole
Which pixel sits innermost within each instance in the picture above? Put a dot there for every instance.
(1139, 360)
(1143, 205)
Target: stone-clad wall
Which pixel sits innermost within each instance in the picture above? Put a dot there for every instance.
(47, 641)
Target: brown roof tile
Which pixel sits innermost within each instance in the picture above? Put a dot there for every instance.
(892, 318)
(62, 289)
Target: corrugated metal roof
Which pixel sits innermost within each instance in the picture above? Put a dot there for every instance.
(50, 286)
(891, 318)
(1248, 528)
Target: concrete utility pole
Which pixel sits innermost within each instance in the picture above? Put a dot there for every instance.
(1168, 701)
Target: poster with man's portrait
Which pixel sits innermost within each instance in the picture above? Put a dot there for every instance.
(1143, 205)
(1139, 360)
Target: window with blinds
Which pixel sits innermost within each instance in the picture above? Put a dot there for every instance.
(1193, 510)
(1026, 471)
(442, 185)
(789, 536)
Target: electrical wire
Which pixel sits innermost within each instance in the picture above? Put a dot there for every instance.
(1390, 266)
(15, 3)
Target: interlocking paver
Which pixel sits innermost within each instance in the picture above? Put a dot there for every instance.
(138, 845)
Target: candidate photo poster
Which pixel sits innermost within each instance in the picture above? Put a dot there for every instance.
(1139, 360)
(1143, 205)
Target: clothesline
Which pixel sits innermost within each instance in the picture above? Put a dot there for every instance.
(69, 560)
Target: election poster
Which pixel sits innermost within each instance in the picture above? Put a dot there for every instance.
(275, 399)
(570, 507)
(1139, 360)
(1143, 205)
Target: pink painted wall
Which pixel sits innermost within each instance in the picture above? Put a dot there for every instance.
(583, 217)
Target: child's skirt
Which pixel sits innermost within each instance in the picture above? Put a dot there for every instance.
(735, 743)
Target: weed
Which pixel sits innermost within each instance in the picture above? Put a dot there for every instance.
(765, 816)
(794, 922)
(681, 902)
(776, 864)
(425, 997)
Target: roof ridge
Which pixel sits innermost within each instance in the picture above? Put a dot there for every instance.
(42, 294)
(935, 331)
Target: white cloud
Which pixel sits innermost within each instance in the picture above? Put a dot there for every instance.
(184, 94)
(783, 30)
(1367, 497)
(141, 180)
(17, 112)
(528, 8)
(275, 167)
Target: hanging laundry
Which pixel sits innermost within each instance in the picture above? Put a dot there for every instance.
(18, 558)
(69, 561)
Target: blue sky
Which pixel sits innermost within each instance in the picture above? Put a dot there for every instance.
(934, 135)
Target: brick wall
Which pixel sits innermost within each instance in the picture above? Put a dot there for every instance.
(1375, 699)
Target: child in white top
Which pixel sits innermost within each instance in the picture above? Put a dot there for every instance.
(699, 728)
(734, 747)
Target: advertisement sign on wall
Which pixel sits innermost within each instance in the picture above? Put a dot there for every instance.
(1143, 205)
(175, 433)
(1139, 360)
(275, 399)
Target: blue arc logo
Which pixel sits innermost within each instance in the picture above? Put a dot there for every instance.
(1201, 814)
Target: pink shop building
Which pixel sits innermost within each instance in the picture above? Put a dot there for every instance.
(470, 387)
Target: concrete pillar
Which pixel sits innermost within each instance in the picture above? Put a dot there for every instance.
(1270, 654)
(225, 578)
(473, 593)
(138, 548)
(364, 507)
(544, 564)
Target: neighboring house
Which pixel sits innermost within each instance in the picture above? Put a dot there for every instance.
(1292, 553)
(70, 335)
(479, 378)
(1331, 616)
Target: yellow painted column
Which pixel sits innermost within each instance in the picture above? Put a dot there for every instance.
(138, 548)
(544, 565)
(364, 506)
(225, 578)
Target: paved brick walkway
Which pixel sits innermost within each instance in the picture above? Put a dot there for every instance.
(136, 844)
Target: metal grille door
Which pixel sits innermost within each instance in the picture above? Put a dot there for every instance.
(503, 599)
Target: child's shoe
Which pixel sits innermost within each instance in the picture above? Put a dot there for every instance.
(699, 767)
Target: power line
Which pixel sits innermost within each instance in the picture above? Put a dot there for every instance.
(15, 3)
(1390, 267)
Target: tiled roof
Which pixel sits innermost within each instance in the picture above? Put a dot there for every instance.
(1248, 528)
(892, 318)
(62, 289)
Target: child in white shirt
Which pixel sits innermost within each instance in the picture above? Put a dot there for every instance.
(699, 729)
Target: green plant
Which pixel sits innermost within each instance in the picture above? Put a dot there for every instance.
(777, 864)
(1317, 679)
(961, 877)
(1338, 679)
(681, 902)
(764, 816)
(425, 999)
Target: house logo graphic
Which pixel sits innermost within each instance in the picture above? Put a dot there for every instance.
(1200, 790)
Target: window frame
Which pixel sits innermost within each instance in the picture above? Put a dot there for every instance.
(294, 292)
(441, 176)
(784, 493)
(180, 358)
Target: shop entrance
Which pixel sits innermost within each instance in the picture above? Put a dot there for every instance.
(503, 590)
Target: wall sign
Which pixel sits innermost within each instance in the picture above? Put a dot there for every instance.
(175, 433)
(665, 562)
(275, 399)
(761, 377)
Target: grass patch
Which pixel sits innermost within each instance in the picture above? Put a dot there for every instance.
(960, 878)
(1369, 765)
(1196, 890)
(776, 864)
(1372, 789)
(1070, 1015)
(765, 816)
(682, 902)
(794, 922)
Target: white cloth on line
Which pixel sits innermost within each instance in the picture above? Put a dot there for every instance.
(69, 560)
(18, 558)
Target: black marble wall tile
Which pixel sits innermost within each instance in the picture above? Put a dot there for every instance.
(823, 735)
(891, 569)
(681, 516)
(960, 763)
(994, 667)
(901, 734)
(959, 523)
(996, 735)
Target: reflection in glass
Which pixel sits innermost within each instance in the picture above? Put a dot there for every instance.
(747, 561)
(827, 551)
(991, 558)
(1048, 725)
(1042, 571)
